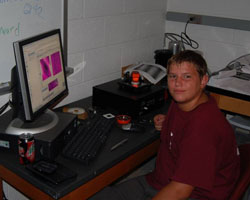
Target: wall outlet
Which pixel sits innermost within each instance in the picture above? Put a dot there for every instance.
(195, 19)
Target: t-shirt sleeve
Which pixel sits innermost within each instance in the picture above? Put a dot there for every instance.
(196, 164)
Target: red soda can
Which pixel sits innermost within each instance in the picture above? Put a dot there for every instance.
(26, 148)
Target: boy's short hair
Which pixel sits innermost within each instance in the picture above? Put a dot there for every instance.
(191, 57)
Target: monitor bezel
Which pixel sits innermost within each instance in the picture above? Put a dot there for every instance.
(28, 114)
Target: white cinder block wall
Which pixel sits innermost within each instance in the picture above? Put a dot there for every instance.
(103, 36)
(219, 45)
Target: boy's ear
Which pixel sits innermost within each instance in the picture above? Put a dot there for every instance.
(204, 81)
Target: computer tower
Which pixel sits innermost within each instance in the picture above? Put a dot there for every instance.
(48, 144)
(124, 101)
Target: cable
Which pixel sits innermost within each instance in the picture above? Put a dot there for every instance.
(183, 37)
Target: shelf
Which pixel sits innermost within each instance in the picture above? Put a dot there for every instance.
(210, 20)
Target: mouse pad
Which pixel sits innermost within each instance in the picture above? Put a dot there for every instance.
(57, 176)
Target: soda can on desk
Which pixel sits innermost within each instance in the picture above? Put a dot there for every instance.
(26, 148)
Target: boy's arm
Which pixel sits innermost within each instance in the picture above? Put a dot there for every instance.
(174, 191)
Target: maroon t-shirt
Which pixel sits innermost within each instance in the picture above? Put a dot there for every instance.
(197, 148)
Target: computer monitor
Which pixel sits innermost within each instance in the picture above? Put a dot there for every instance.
(38, 81)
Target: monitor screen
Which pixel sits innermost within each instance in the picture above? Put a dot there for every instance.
(40, 73)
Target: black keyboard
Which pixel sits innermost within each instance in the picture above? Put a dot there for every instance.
(86, 143)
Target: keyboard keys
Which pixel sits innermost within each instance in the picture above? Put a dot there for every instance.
(87, 142)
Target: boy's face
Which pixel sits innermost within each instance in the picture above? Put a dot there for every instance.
(184, 83)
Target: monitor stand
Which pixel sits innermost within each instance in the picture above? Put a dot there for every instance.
(46, 121)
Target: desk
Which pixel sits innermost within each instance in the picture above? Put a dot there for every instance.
(231, 101)
(105, 169)
(87, 189)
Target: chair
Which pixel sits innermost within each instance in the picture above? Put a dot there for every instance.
(244, 179)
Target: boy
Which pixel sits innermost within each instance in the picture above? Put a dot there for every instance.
(197, 158)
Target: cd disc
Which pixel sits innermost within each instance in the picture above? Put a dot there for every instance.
(80, 112)
(76, 111)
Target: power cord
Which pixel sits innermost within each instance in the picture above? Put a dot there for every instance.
(183, 37)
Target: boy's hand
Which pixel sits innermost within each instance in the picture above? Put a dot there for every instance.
(158, 120)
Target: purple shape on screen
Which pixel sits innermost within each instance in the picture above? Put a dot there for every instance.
(53, 84)
(56, 63)
(44, 63)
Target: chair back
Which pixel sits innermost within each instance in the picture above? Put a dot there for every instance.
(244, 179)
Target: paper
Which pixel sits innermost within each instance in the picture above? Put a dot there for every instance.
(152, 72)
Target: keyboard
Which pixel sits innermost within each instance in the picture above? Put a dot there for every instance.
(87, 142)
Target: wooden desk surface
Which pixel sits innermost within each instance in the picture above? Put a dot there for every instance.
(231, 101)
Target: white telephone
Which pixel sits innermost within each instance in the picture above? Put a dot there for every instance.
(239, 68)
(234, 77)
